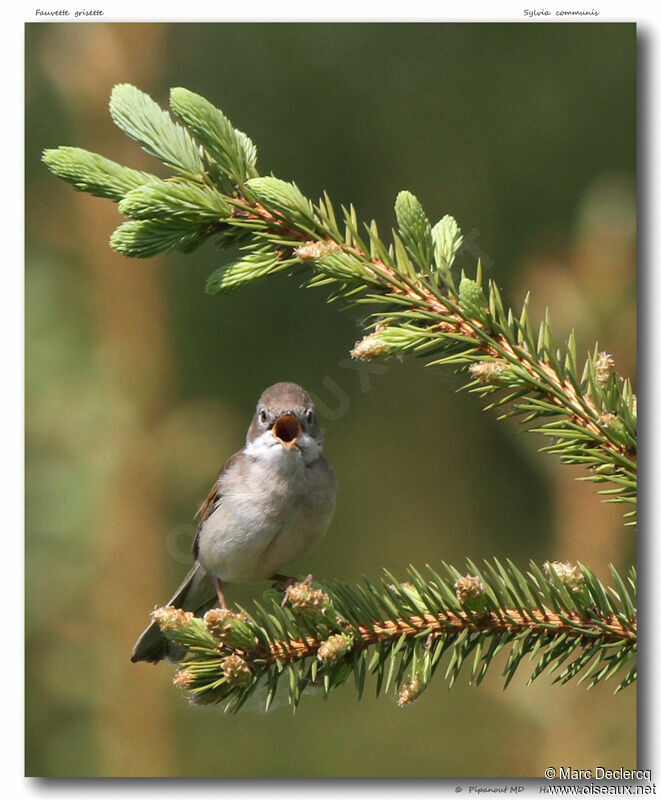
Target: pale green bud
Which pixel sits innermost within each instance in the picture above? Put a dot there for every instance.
(472, 298)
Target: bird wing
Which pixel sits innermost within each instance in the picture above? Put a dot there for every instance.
(213, 500)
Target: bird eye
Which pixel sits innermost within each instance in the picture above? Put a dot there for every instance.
(262, 416)
(310, 416)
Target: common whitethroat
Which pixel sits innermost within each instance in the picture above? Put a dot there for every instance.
(272, 501)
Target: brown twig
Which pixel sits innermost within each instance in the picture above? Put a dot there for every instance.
(609, 629)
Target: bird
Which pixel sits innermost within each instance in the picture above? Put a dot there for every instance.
(272, 502)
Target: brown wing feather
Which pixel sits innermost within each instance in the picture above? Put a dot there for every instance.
(211, 503)
(208, 506)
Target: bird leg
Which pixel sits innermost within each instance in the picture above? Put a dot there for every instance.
(219, 592)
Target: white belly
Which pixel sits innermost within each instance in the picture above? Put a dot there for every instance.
(265, 521)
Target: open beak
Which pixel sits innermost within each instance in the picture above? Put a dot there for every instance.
(287, 429)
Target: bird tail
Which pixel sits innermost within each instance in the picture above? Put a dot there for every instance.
(196, 593)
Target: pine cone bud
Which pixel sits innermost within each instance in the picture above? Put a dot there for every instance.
(334, 648)
(565, 573)
(183, 679)
(170, 618)
(236, 671)
(410, 691)
(370, 347)
(612, 423)
(470, 593)
(487, 371)
(230, 628)
(315, 250)
(302, 597)
(604, 367)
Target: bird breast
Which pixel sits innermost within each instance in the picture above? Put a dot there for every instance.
(267, 518)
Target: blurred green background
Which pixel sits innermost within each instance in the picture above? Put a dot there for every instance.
(139, 385)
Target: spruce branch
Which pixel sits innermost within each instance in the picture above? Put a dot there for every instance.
(416, 304)
(560, 617)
